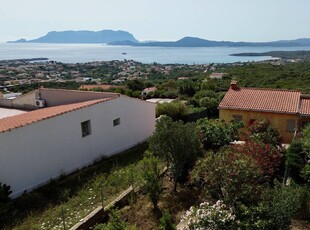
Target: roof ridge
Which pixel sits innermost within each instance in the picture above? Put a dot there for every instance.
(79, 91)
(271, 89)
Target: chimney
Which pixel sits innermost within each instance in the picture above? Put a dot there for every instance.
(234, 85)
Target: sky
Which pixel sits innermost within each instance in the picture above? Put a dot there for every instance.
(162, 20)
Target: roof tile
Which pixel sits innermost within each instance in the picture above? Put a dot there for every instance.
(305, 106)
(264, 100)
(9, 123)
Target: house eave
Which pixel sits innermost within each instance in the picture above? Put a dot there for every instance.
(258, 110)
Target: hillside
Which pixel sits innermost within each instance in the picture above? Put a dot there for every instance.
(301, 54)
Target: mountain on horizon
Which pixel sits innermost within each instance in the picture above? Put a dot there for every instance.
(124, 38)
(81, 36)
(199, 42)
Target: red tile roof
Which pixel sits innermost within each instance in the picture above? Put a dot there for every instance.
(263, 100)
(89, 87)
(305, 106)
(17, 121)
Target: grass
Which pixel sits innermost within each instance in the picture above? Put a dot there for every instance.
(142, 215)
(77, 194)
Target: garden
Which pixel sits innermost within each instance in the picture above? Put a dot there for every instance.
(189, 176)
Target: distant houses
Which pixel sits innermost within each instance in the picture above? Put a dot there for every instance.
(60, 131)
(103, 87)
(146, 91)
(287, 110)
(217, 75)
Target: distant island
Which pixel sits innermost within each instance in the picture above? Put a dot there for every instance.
(82, 36)
(300, 54)
(124, 38)
(198, 42)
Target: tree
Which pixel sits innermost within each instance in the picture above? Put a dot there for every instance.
(267, 157)
(215, 133)
(274, 211)
(263, 131)
(177, 144)
(187, 87)
(152, 178)
(211, 105)
(231, 177)
(294, 160)
(175, 110)
(169, 85)
(305, 172)
(135, 85)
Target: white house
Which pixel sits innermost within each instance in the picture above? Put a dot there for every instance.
(70, 131)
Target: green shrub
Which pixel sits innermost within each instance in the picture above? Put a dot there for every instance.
(152, 178)
(175, 110)
(177, 144)
(5, 203)
(215, 133)
(207, 216)
(166, 222)
(263, 131)
(115, 222)
(267, 157)
(275, 210)
(231, 177)
(305, 173)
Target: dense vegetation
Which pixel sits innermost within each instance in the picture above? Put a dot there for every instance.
(258, 185)
(301, 54)
(240, 186)
(294, 76)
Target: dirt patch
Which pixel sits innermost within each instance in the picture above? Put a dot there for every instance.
(300, 225)
(141, 213)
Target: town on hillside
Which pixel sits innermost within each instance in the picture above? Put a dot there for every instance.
(211, 146)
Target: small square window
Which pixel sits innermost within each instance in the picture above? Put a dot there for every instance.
(116, 122)
(290, 126)
(86, 129)
(237, 118)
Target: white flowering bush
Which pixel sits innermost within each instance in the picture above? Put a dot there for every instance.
(208, 217)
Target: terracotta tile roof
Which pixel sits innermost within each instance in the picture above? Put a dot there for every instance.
(89, 87)
(7, 124)
(150, 89)
(264, 100)
(305, 106)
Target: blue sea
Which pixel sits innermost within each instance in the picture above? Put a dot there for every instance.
(79, 53)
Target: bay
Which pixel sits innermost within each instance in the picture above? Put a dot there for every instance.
(79, 53)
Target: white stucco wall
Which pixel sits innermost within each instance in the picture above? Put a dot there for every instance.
(31, 155)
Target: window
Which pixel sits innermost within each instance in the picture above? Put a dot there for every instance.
(290, 126)
(237, 118)
(116, 122)
(86, 129)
